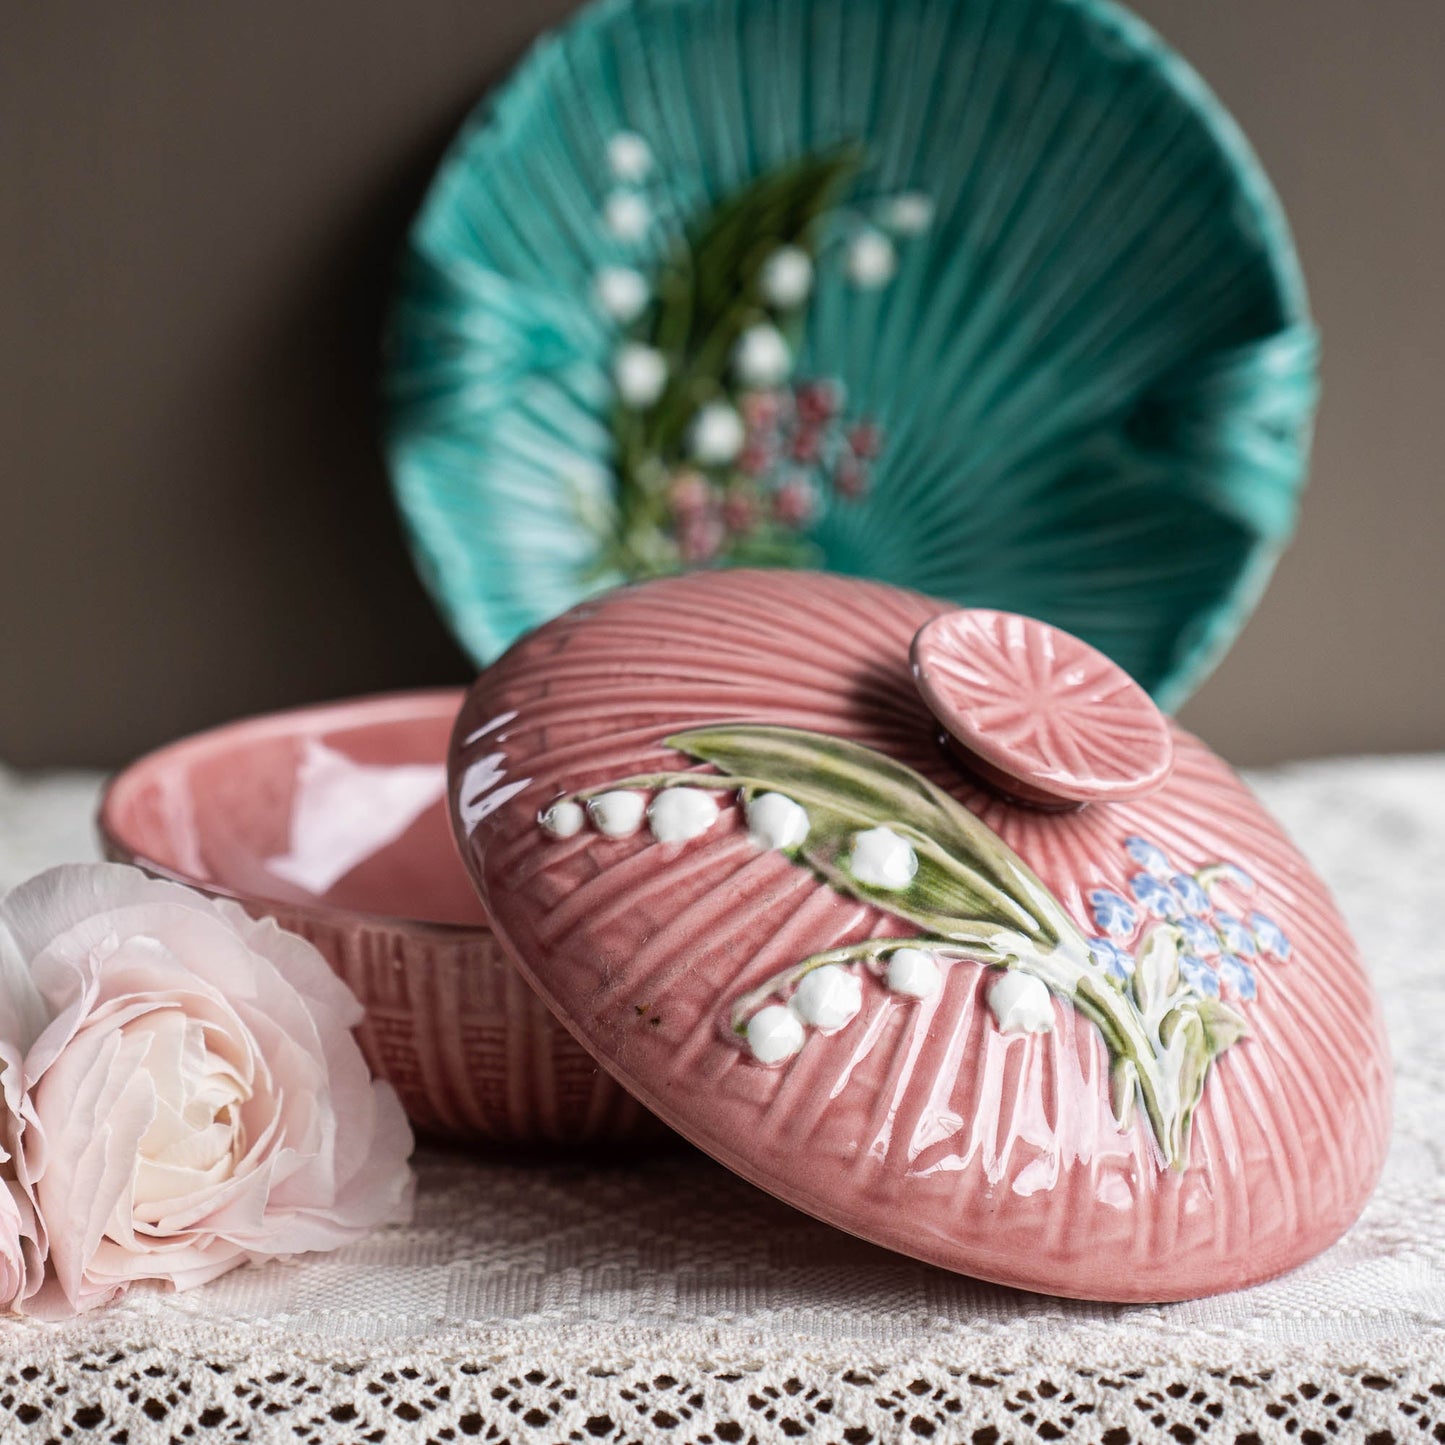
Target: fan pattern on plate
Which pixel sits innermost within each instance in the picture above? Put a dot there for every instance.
(1040, 707)
(922, 1127)
(1093, 375)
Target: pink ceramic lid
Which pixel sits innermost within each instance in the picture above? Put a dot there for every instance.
(1119, 1046)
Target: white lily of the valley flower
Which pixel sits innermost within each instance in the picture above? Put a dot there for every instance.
(915, 972)
(679, 814)
(618, 814)
(883, 859)
(629, 157)
(774, 1034)
(828, 997)
(717, 434)
(871, 259)
(787, 277)
(776, 821)
(622, 293)
(640, 373)
(911, 213)
(1021, 1004)
(564, 819)
(762, 357)
(627, 215)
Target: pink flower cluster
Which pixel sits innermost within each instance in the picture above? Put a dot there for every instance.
(797, 449)
(182, 1093)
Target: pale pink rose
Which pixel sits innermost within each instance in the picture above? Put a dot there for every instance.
(22, 1245)
(12, 1249)
(22, 1240)
(194, 1097)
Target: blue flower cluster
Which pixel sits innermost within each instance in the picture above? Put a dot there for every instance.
(1219, 948)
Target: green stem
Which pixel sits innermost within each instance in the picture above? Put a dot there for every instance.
(869, 949)
(1128, 1036)
(1155, 1070)
(651, 782)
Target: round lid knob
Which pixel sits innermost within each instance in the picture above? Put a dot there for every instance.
(1039, 715)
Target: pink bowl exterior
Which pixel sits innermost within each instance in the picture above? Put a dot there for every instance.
(920, 1126)
(464, 1040)
(471, 1050)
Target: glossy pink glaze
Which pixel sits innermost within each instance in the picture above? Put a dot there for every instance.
(1048, 718)
(332, 820)
(920, 1126)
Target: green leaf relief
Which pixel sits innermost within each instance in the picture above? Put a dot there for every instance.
(972, 897)
(1156, 972)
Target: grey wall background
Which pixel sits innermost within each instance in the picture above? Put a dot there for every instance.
(199, 208)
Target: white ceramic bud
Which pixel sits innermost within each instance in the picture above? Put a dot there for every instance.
(629, 157)
(564, 819)
(883, 859)
(762, 356)
(775, 821)
(716, 435)
(1020, 1004)
(828, 997)
(622, 293)
(915, 972)
(787, 277)
(619, 814)
(871, 259)
(679, 814)
(640, 373)
(774, 1033)
(911, 213)
(627, 215)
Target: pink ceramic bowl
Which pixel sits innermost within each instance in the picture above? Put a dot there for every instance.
(333, 821)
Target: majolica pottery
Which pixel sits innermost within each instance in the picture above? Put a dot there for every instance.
(928, 922)
(332, 820)
(989, 299)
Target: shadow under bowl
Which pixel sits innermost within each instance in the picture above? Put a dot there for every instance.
(333, 821)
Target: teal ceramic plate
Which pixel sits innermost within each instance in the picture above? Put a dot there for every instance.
(987, 298)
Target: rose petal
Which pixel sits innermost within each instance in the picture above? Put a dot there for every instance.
(23, 1014)
(88, 1175)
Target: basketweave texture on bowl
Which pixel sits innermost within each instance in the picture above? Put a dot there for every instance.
(332, 821)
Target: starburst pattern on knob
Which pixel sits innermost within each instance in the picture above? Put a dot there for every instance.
(1040, 715)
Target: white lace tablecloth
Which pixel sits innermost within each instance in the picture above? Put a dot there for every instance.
(662, 1299)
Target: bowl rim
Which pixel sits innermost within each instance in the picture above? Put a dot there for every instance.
(371, 706)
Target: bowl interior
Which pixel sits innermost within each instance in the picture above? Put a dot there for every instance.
(1088, 372)
(336, 807)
